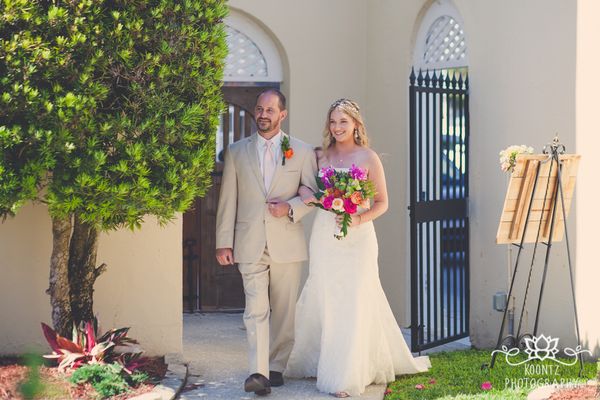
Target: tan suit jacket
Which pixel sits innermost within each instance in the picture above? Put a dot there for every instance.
(243, 220)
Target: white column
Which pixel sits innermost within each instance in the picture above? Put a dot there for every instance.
(588, 145)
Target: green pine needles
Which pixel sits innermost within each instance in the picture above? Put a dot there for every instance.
(108, 109)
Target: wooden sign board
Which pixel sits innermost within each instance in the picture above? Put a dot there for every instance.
(518, 197)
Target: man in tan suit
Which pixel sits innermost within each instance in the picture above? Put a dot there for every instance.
(258, 227)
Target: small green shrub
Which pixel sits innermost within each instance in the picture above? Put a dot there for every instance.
(107, 379)
(33, 385)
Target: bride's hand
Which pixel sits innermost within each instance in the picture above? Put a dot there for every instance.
(354, 220)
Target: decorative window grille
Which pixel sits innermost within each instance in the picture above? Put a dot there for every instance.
(244, 58)
(441, 41)
(445, 42)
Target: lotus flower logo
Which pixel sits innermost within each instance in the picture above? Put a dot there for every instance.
(541, 347)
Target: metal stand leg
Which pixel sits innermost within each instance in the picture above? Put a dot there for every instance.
(564, 214)
(556, 150)
(512, 283)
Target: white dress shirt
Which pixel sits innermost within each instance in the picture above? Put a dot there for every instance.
(275, 148)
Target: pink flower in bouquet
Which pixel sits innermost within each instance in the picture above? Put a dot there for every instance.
(337, 204)
(349, 206)
(487, 385)
(366, 204)
(327, 201)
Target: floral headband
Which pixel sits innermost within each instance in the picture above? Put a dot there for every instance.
(345, 104)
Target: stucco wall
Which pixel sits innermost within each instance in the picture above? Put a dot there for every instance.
(140, 289)
(391, 30)
(588, 143)
(522, 80)
(324, 59)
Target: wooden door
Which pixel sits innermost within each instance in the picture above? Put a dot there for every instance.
(206, 285)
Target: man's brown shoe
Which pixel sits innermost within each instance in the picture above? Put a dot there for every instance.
(258, 384)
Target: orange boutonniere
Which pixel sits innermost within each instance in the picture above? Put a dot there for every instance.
(287, 151)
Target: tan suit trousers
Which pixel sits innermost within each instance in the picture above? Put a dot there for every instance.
(270, 344)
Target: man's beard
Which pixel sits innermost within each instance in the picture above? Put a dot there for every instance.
(270, 125)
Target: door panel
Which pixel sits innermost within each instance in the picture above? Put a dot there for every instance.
(206, 285)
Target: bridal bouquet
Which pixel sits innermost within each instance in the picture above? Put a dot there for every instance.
(342, 192)
(508, 156)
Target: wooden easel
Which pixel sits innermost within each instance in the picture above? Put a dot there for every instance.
(539, 184)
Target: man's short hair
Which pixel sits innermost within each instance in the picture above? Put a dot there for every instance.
(282, 101)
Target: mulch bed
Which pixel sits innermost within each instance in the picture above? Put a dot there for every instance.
(12, 373)
(588, 392)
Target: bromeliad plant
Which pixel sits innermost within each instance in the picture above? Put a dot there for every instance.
(87, 347)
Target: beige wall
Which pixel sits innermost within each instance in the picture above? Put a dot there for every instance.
(140, 289)
(588, 143)
(324, 58)
(522, 77)
(390, 33)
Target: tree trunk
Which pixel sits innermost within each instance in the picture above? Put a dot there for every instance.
(82, 270)
(59, 292)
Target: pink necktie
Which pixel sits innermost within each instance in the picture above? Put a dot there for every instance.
(268, 165)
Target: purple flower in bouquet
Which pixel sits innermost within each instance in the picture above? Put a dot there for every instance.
(358, 173)
(326, 174)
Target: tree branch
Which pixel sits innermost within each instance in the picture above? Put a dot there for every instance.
(100, 270)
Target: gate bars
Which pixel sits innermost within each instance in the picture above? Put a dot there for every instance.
(439, 223)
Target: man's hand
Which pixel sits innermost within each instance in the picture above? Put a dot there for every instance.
(279, 209)
(225, 256)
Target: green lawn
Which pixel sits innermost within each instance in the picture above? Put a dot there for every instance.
(458, 375)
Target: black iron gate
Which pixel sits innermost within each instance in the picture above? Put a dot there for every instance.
(439, 223)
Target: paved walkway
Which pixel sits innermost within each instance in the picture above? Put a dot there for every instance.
(214, 345)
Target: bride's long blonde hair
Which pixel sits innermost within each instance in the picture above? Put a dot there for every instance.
(350, 108)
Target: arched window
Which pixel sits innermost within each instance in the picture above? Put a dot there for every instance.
(253, 62)
(253, 56)
(441, 42)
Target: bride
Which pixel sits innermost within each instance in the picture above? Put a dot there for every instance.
(346, 335)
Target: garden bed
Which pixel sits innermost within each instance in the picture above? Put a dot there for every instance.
(13, 373)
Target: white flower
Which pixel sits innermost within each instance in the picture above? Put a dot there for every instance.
(69, 146)
(338, 204)
(508, 156)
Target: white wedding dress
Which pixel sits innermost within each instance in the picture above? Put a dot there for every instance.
(345, 333)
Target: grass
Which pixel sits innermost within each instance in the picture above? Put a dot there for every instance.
(458, 375)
